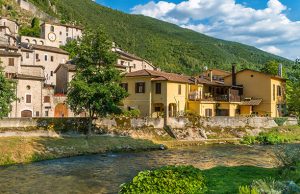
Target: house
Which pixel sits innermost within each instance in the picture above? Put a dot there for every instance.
(54, 35)
(263, 94)
(156, 93)
(131, 62)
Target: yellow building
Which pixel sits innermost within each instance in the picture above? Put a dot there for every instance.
(262, 94)
(156, 93)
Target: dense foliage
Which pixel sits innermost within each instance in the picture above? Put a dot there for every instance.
(169, 179)
(33, 30)
(95, 87)
(168, 46)
(7, 94)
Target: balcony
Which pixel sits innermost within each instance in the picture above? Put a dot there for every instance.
(196, 96)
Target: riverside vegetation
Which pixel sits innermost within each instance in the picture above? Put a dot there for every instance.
(243, 180)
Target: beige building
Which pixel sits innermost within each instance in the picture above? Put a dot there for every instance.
(54, 35)
(8, 31)
(131, 62)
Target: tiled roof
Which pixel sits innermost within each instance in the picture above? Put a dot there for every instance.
(50, 49)
(205, 80)
(160, 75)
(29, 77)
(10, 54)
(266, 74)
(10, 47)
(70, 67)
(252, 102)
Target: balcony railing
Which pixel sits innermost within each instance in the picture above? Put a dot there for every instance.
(196, 96)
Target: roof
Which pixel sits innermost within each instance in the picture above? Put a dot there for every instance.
(205, 80)
(160, 76)
(50, 49)
(128, 56)
(251, 102)
(9, 54)
(266, 74)
(69, 67)
(65, 25)
(218, 72)
(10, 47)
(30, 77)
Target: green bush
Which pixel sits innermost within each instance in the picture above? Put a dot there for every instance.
(247, 190)
(169, 179)
(132, 113)
(265, 138)
(280, 121)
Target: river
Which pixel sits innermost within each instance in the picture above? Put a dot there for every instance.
(104, 173)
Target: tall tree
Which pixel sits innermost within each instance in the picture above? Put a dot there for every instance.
(71, 47)
(7, 94)
(271, 67)
(95, 87)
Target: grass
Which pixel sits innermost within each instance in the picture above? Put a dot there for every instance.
(14, 150)
(228, 179)
(278, 135)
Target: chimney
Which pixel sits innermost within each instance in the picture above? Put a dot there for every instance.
(233, 74)
(210, 75)
(280, 70)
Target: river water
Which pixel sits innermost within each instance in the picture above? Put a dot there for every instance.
(104, 173)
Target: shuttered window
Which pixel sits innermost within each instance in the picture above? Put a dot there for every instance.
(11, 62)
(46, 99)
(140, 87)
(158, 88)
(28, 98)
(179, 89)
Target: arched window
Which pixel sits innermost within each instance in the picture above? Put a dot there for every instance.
(42, 43)
(27, 40)
(52, 28)
(34, 41)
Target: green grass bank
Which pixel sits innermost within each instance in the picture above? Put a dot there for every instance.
(15, 150)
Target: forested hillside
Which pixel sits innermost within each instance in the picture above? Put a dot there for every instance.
(168, 46)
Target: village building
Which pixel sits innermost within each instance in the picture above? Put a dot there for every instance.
(9, 30)
(263, 94)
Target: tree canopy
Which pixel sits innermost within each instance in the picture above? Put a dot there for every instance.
(95, 88)
(7, 94)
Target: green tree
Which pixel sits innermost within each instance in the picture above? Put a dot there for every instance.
(293, 89)
(271, 67)
(33, 30)
(7, 94)
(95, 87)
(71, 47)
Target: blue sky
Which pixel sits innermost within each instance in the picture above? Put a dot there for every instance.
(271, 25)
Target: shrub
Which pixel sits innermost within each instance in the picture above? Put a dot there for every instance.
(132, 113)
(280, 121)
(271, 139)
(247, 190)
(169, 179)
(249, 140)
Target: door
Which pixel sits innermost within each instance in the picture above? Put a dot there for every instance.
(61, 110)
(26, 114)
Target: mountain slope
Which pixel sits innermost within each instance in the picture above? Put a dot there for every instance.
(168, 46)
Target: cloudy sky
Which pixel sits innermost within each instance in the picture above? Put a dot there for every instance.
(271, 25)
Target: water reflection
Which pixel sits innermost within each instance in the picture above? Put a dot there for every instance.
(104, 173)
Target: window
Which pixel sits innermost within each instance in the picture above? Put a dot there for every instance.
(274, 92)
(41, 42)
(11, 62)
(208, 112)
(279, 92)
(52, 28)
(60, 33)
(140, 87)
(27, 55)
(28, 98)
(52, 59)
(125, 86)
(34, 41)
(46, 99)
(179, 89)
(37, 57)
(134, 66)
(37, 113)
(157, 88)
(46, 57)
(46, 113)
(157, 109)
(28, 87)
(51, 73)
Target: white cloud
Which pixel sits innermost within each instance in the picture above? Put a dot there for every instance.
(269, 28)
(272, 49)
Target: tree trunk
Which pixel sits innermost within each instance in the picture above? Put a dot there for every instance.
(90, 126)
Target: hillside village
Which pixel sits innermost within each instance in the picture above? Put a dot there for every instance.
(43, 70)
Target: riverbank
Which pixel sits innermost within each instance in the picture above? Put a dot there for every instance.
(15, 150)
